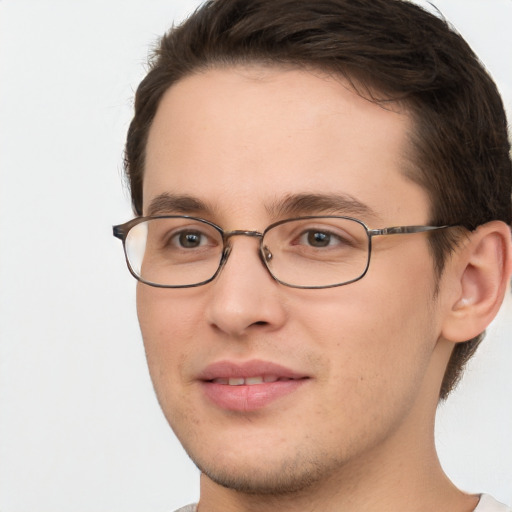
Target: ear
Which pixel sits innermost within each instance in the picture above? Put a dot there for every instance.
(479, 275)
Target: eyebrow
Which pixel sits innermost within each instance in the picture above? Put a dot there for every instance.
(293, 205)
(312, 204)
(180, 204)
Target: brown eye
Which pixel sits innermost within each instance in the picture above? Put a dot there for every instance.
(318, 238)
(190, 239)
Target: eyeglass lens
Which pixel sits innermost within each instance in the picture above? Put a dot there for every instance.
(308, 252)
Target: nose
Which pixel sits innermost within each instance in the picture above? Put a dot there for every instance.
(244, 296)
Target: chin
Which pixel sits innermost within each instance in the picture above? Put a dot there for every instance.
(267, 477)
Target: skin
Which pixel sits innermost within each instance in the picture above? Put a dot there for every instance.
(358, 434)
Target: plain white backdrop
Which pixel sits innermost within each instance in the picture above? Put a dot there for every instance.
(80, 428)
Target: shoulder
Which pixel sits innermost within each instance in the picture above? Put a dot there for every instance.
(187, 508)
(489, 504)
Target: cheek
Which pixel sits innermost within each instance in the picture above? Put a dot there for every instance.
(169, 329)
(165, 316)
(378, 337)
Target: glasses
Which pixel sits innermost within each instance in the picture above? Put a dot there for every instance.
(177, 251)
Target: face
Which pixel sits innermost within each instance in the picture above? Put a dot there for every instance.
(271, 388)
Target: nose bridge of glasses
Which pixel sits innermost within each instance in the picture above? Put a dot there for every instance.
(241, 232)
(238, 232)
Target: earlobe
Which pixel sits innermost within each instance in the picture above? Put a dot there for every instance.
(482, 269)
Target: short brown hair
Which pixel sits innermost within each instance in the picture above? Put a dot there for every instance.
(460, 144)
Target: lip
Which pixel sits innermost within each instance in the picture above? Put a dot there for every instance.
(244, 397)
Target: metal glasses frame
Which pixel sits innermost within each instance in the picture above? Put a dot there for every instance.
(121, 231)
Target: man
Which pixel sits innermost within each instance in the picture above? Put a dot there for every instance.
(323, 200)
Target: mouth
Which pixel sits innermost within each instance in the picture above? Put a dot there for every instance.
(249, 386)
(249, 381)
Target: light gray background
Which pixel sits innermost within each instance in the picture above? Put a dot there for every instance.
(80, 429)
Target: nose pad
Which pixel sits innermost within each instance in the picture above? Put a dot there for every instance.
(225, 256)
(266, 255)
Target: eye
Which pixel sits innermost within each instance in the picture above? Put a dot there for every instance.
(318, 238)
(189, 239)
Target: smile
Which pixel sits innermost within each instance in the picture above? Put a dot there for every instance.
(249, 386)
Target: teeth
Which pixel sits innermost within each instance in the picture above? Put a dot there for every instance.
(247, 381)
(253, 380)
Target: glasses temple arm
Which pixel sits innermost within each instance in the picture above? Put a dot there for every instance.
(401, 230)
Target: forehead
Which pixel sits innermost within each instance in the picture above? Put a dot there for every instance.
(251, 135)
